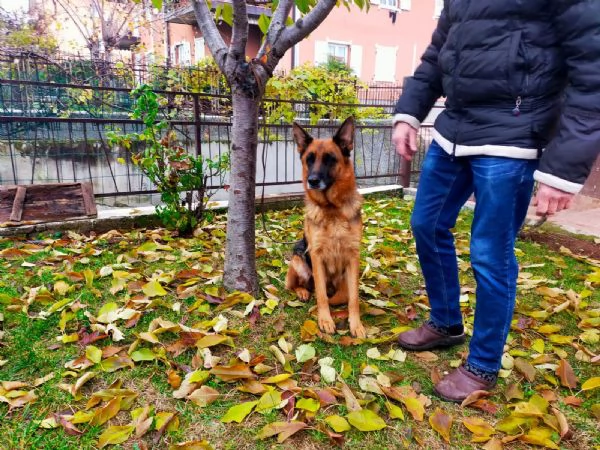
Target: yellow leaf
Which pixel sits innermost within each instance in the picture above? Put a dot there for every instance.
(365, 420)
(414, 407)
(239, 412)
(590, 384)
(337, 423)
(94, 354)
(116, 434)
(153, 289)
(394, 410)
(538, 345)
(441, 422)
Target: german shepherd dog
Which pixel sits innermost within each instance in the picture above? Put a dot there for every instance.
(326, 259)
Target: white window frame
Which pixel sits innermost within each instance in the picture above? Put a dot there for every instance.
(344, 45)
(405, 5)
(389, 4)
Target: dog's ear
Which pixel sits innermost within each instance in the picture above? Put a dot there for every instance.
(344, 137)
(301, 137)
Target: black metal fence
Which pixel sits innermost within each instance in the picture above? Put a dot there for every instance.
(56, 131)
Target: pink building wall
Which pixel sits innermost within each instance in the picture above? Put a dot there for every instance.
(410, 34)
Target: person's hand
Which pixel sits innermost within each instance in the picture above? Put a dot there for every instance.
(549, 200)
(404, 138)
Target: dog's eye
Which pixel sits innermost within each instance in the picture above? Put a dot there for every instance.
(328, 158)
(310, 158)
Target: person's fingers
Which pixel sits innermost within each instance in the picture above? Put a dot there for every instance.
(563, 203)
(542, 205)
(552, 206)
(412, 140)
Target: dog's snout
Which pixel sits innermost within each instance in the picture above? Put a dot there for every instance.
(314, 181)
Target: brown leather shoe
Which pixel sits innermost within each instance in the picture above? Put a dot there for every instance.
(426, 337)
(457, 386)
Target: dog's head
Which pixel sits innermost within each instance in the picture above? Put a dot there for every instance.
(324, 159)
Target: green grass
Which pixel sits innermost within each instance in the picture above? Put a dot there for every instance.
(388, 267)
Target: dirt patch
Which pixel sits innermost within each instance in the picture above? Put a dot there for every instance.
(555, 241)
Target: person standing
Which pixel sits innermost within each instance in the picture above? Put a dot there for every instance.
(522, 86)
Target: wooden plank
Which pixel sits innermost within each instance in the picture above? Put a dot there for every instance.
(17, 208)
(87, 191)
(46, 202)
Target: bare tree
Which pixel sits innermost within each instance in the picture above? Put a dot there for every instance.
(247, 80)
(101, 23)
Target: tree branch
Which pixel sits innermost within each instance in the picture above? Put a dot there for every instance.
(210, 32)
(278, 23)
(293, 34)
(239, 36)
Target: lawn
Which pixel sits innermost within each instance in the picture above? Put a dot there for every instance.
(126, 340)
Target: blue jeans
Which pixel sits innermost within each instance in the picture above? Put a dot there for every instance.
(502, 188)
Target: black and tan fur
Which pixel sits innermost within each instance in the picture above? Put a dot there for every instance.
(326, 260)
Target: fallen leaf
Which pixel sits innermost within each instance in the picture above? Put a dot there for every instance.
(441, 422)
(566, 374)
(591, 383)
(116, 434)
(283, 429)
(365, 420)
(337, 423)
(305, 352)
(204, 396)
(239, 412)
(526, 369)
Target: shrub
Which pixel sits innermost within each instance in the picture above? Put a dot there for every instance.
(180, 178)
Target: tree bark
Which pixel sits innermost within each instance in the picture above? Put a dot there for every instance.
(240, 258)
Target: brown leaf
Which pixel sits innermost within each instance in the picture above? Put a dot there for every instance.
(486, 406)
(572, 401)
(566, 374)
(204, 396)
(526, 369)
(107, 412)
(351, 401)
(565, 432)
(474, 396)
(174, 378)
(283, 430)
(493, 444)
(233, 373)
(68, 426)
(427, 356)
(513, 391)
(441, 422)
(436, 375)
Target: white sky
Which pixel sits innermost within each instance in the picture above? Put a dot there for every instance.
(13, 5)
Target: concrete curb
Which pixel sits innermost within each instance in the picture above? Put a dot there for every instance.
(145, 217)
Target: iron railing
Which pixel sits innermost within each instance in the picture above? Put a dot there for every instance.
(57, 132)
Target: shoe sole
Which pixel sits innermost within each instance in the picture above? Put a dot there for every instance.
(448, 342)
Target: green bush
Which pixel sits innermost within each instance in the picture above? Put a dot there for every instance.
(180, 178)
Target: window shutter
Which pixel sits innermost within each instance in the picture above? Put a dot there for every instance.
(199, 52)
(385, 63)
(356, 56)
(321, 52)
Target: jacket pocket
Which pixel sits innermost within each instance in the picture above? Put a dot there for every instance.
(516, 80)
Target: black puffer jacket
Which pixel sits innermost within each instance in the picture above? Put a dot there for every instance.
(520, 76)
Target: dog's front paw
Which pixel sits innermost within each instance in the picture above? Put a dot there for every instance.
(357, 330)
(326, 323)
(302, 293)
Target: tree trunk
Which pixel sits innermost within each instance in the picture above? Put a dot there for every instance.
(240, 259)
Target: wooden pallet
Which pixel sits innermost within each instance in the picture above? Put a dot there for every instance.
(37, 203)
